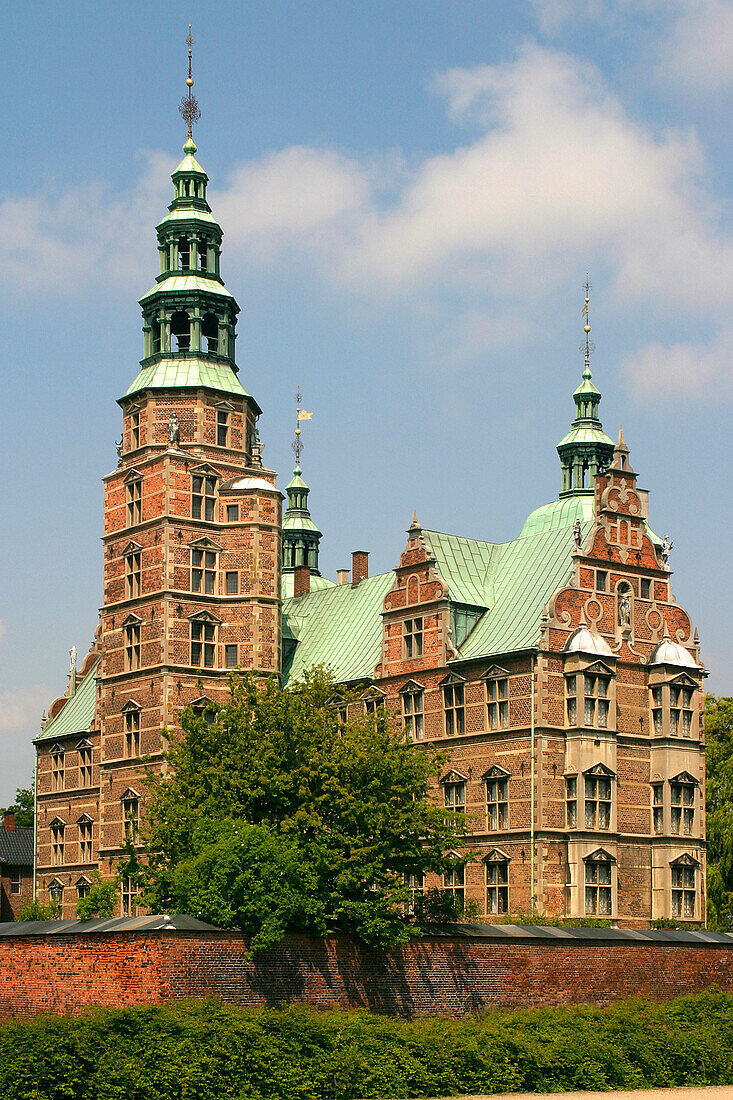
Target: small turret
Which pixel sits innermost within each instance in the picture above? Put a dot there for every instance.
(301, 538)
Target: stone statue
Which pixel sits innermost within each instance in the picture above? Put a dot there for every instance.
(667, 545)
(624, 611)
(174, 430)
(118, 448)
(577, 535)
(257, 448)
(72, 658)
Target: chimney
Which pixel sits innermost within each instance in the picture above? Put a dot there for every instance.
(302, 580)
(359, 566)
(9, 822)
(342, 576)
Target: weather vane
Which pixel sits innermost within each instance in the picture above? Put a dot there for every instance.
(188, 106)
(588, 346)
(301, 414)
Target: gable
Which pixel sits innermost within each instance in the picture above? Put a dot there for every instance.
(495, 772)
(600, 770)
(453, 777)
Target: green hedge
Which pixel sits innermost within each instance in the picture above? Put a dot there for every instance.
(200, 1050)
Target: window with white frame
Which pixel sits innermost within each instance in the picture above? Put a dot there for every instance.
(597, 789)
(658, 807)
(454, 882)
(497, 703)
(598, 885)
(412, 713)
(203, 571)
(682, 804)
(497, 883)
(684, 887)
(454, 708)
(131, 630)
(134, 501)
(454, 792)
(85, 839)
(16, 880)
(133, 574)
(203, 496)
(203, 643)
(412, 632)
(571, 801)
(131, 719)
(497, 799)
(57, 842)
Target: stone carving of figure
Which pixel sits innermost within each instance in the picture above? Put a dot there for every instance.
(624, 611)
(174, 430)
(577, 536)
(667, 545)
(72, 657)
(118, 448)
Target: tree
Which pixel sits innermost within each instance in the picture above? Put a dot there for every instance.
(280, 815)
(22, 807)
(719, 811)
(100, 901)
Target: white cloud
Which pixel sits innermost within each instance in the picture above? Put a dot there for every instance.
(21, 708)
(697, 50)
(684, 369)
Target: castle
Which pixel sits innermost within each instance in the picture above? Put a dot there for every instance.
(557, 667)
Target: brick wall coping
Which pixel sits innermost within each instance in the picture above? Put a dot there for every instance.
(507, 933)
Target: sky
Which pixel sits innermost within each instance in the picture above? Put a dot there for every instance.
(411, 192)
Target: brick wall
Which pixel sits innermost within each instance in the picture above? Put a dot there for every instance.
(449, 976)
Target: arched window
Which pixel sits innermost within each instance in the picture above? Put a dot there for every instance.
(155, 337)
(184, 254)
(210, 331)
(202, 255)
(181, 330)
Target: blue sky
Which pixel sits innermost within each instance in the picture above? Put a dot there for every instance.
(411, 192)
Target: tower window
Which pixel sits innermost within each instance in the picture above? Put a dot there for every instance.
(232, 513)
(132, 646)
(412, 714)
(453, 701)
(596, 700)
(135, 429)
(412, 637)
(181, 330)
(184, 253)
(658, 807)
(210, 331)
(203, 636)
(683, 892)
(497, 703)
(202, 497)
(129, 892)
(682, 797)
(132, 574)
(57, 769)
(222, 428)
(202, 254)
(571, 800)
(597, 802)
(131, 816)
(598, 888)
(156, 336)
(644, 588)
(134, 501)
(203, 571)
(132, 733)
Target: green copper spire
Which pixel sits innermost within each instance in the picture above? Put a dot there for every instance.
(586, 449)
(301, 537)
(189, 316)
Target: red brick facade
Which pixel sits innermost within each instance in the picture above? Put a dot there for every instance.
(431, 976)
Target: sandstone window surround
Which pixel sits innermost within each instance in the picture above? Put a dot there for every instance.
(85, 826)
(204, 708)
(133, 570)
(415, 883)
(56, 891)
(134, 430)
(496, 780)
(598, 797)
(128, 893)
(203, 493)
(454, 791)
(58, 829)
(58, 771)
(204, 561)
(497, 882)
(497, 699)
(571, 801)
(454, 705)
(682, 803)
(674, 708)
(203, 630)
(684, 886)
(374, 700)
(131, 628)
(412, 638)
(658, 807)
(454, 882)
(413, 696)
(590, 694)
(231, 655)
(83, 886)
(600, 876)
(130, 802)
(131, 713)
(134, 497)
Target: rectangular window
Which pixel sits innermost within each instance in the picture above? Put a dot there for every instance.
(57, 770)
(415, 883)
(134, 501)
(683, 892)
(203, 571)
(57, 844)
(85, 841)
(454, 883)
(571, 800)
(571, 687)
(412, 637)
(455, 796)
(202, 644)
(597, 802)
(658, 807)
(132, 734)
(657, 711)
(644, 588)
(222, 428)
(596, 700)
(132, 647)
(682, 798)
(232, 513)
(230, 656)
(497, 804)
(412, 714)
(497, 703)
(85, 766)
(203, 490)
(601, 580)
(455, 720)
(15, 882)
(129, 894)
(497, 886)
(373, 705)
(135, 427)
(598, 901)
(131, 815)
(133, 569)
(232, 580)
(82, 889)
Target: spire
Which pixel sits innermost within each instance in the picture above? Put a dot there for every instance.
(188, 106)
(586, 449)
(301, 537)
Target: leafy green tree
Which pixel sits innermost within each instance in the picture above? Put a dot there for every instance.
(279, 815)
(100, 901)
(37, 910)
(22, 807)
(719, 807)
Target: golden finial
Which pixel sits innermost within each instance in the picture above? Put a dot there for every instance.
(300, 414)
(188, 106)
(589, 346)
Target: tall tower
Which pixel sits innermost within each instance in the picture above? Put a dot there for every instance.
(192, 519)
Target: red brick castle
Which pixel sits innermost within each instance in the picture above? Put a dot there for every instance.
(557, 667)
